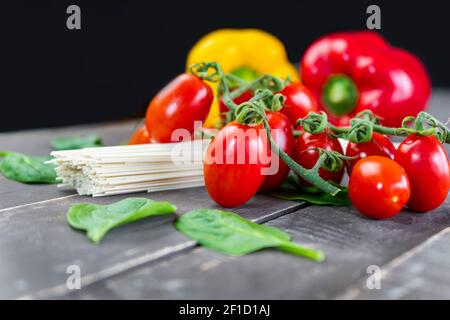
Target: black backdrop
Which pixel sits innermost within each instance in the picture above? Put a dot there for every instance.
(126, 50)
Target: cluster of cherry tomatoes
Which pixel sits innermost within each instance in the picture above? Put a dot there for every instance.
(417, 174)
(382, 179)
(233, 184)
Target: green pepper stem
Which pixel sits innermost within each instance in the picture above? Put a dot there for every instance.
(340, 94)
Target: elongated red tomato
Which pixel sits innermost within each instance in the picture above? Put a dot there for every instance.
(427, 165)
(140, 136)
(379, 146)
(299, 102)
(184, 100)
(233, 163)
(306, 155)
(281, 131)
(378, 187)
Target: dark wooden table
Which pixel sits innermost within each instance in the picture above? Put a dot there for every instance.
(150, 260)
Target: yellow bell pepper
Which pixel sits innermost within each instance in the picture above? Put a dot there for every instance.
(236, 48)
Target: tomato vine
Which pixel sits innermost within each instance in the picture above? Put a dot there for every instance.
(362, 126)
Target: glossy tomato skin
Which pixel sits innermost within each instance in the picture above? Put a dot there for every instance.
(184, 100)
(299, 102)
(282, 134)
(233, 164)
(391, 82)
(379, 146)
(427, 165)
(307, 158)
(140, 136)
(378, 187)
(247, 95)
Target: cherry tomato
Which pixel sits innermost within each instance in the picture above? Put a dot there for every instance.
(140, 136)
(305, 156)
(379, 146)
(299, 102)
(378, 187)
(281, 131)
(184, 100)
(233, 163)
(247, 95)
(427, 165)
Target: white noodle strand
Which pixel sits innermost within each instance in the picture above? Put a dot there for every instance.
(114, 170)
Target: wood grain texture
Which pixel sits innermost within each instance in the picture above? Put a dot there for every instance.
(37, 142)
(420, 273)
(351, 242)
(37, 245)
(149, 259)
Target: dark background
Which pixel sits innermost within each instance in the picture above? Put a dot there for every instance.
(127, 50)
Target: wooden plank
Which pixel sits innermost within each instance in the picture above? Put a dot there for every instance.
(420, 273)
(37, 142)
(351, 241)
(13, 194)
(37, 245)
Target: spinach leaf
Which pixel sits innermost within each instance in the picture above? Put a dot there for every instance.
(27, 169)
(291, 190)
(228, 233)
(319, 198)
(97, 220)
(76, 142)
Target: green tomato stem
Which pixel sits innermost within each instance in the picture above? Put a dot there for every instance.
(297, 133)
(228, 96)
(233, 78)
(342, 132)
(310, 175)
(362, 127)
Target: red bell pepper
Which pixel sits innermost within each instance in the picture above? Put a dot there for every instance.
(353, 71)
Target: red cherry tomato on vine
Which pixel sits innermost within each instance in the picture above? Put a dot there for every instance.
(233, 163)
(140, 136)
(378, 187)
(379, 146)
(281, 131)
(306, 156)
(299, 102)
(247, 95)
(427, 165)
(184, 100)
